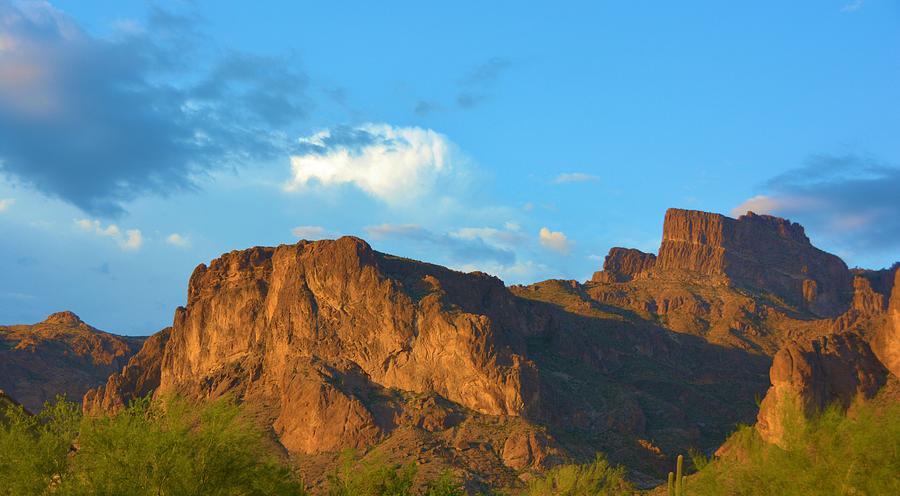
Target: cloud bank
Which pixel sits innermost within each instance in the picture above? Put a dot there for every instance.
(98, 122)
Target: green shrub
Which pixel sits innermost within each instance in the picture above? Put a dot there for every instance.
(592, 479)
(161, 448)
(34, 448)
(356, 477)
(832, 454)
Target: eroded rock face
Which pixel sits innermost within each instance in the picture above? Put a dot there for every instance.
(761, 252)
(61, 355)
(807, 377)
(624, 264)
(335, 345)
(886, 342)
(137, 379)
(255, 320)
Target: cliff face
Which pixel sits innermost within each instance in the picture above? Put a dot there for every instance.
(624, 264)
(61, 355)
(335, 345)
(138, 378)
(404, 325)
(759, 252)
(886, 342)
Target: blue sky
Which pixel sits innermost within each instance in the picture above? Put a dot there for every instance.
(140, 139)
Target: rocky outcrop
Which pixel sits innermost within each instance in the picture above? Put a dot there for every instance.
(886, 342)
(61, 355)
(281, 323)
(334, 345)
(807, 377)
(138, 378)
(759, 252)
(624, 264)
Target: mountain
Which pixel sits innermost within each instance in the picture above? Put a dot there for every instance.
(334, 345)
(61, 355)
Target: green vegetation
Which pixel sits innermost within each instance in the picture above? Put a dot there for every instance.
(593, 479)
(676, 480)
(173, 447)
(163, 448)
(833, 454)
(376, 478)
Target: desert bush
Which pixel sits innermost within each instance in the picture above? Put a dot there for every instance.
(151, 448)
(374, 477)
(598, 478)
(34, 448)
(831, 454)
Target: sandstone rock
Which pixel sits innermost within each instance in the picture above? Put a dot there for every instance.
(806, 377)
(760, 252)
(61, 355)
(624, 264)
(527, 449)
(138, 378)
(886, 342)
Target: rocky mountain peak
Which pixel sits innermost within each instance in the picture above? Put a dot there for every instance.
(65, 318)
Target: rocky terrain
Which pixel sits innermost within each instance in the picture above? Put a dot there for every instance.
(333, 345)
(61, 355)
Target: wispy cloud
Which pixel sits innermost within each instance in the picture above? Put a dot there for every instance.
(178, 240)
(130, 239)
(460, 250)
(397, 165)
(6, 203)
(554, 240)
(574, 177)
(309, 232)
(853, 6)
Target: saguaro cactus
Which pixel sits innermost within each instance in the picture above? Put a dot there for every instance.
(676, 480)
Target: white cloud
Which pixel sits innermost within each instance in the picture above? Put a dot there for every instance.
(397, 165)
(574, 177)
(176, 239)
(132, 239)
(554, 240)
(5, 203)
(763, 204)
(309, 232)
(509, 236)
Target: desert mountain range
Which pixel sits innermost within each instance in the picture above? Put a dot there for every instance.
(334, 345)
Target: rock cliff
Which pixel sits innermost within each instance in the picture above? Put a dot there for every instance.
(336, 345)
(61, 355)
(624, 264)
(759, 252)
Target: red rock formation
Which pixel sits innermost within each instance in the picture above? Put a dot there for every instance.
(807, 377)
(886, 342)
(61, 355)
(760, 252)
(335, 345)
(138, 378)
(624, 264)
